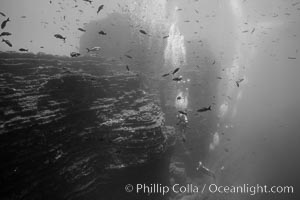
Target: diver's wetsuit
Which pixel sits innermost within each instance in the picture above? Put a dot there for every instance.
(201, 168)
(182, 124)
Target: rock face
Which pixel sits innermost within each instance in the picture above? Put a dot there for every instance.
(64, 127)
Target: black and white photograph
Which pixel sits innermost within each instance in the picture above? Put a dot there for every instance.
(149, 99)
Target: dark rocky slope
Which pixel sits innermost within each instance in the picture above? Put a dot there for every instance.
(69, 128)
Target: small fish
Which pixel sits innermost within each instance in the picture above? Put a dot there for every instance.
(23, 16)
(182, 112)
(88, 1)
(214, 62)
(167, 74)
(100, 8)
(24, 50)
(5, 34)
(177, 79)
(60, 37)
(4, 23)
(245, 31)
(238, 82)
(219, 77)
(81, 29)
(291, 57)
(187, 21)
(204, 109)
(253, 30)
(178, 98)
(102, 33)
(176, 70)
(1, 13)
(128, 56)
(41, 47)
(143, 32)
(179, 9)
(165, 36)
(94, 49)
(7, 42)
(74, 54)
(127, 68)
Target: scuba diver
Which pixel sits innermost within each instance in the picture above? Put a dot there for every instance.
(201, 168)
(182, 124)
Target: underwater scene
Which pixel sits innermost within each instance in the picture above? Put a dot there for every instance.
(149, 99)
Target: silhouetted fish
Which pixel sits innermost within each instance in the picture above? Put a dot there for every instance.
(74, 54)
(238, 82)
(253, 30)
(204, 109)
(5, 34)
(165, 37)
(178, 98)
(167, 74)
(100, 8)
(3, 24)
(7, 42)
(182, 112)
(127, 68)
(102, 33)
(24, 50)
(177, 78)
(143, 32)
(81, 29)
(176, 70)
(60, 37)
(1, 13)
(128, 56)
(88, 1)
